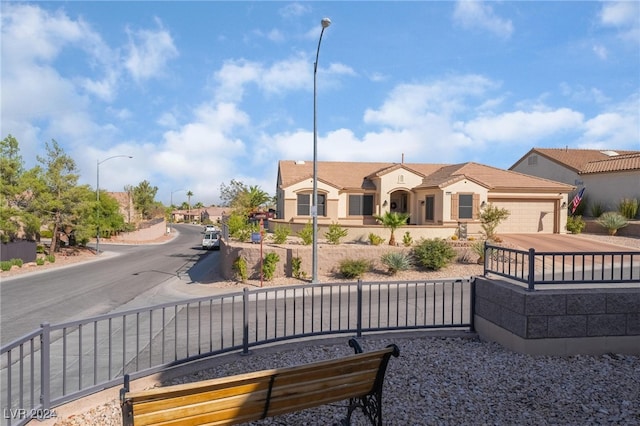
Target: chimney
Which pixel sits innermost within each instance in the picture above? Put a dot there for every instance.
(403, 158)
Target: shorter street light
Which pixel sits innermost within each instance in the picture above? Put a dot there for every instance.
(98, 162)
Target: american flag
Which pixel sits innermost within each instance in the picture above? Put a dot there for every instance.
(576, 201)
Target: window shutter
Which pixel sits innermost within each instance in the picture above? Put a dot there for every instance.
(454, 207)
(476, 206)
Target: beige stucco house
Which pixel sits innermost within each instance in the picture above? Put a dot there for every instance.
(608, 176)
(436, 196)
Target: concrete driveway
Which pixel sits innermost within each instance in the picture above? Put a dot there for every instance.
(560, 243)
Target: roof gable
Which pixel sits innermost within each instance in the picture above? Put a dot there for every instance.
(574, 159)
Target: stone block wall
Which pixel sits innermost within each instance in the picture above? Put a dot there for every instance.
(561, 321)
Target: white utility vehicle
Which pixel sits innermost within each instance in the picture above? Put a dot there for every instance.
(211, 241)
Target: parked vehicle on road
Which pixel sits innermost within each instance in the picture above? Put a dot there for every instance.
(210, 228)
(211, 241)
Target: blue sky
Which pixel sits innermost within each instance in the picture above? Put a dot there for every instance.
(200, 93)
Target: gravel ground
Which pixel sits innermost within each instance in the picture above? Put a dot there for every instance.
(455, 381)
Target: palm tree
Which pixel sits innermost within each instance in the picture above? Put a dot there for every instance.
(189, 195)
(392, 220)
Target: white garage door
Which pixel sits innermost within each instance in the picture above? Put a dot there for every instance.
(527, 216)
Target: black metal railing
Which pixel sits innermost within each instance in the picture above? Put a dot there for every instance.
(538, 268)
(63, 362)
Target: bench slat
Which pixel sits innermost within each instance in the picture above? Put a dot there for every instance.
(244, 397)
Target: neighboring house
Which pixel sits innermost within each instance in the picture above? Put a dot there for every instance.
(214, 214)
(608, 176)
(434, 195)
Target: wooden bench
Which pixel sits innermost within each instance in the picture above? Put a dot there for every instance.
(254, 396)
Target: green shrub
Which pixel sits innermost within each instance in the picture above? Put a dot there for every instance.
(354, 268)
(628, 207)
(490, 217)
(296, 268)
(40, 261)
(17, 262)
(477, 247)
(396, 261)
(47, 233)
(239, 266)
(243, 234)
(612, 221)
(40, 249)
(50, 258)
(575, 224)
(407, 240)
(306, 234)
(238, 226)
(375, 240)
(335, 233)
(5, 265)
(597, 209)
(434, 253)
(269, 265)
(280, 234)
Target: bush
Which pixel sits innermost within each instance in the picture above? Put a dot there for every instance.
(491, 217)
(280, 234)
(238, 227)
(296, 268)
(336, 232)
(612, 221)
(575, 224)
(396, 261)
(407, 240)
(628, 207)
(17, 262)
(597, 209)
(269, 265)
(239, 266)
(306, 234)
(477, 247)
(354, 268)
(40, 249)
(5, 265)
(375, 240)
(50, 258)
(434, 253)
(40, 261)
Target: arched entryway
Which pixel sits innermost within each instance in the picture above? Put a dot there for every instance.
(399, 202)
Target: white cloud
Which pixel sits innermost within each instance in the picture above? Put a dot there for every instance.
(623, 15)
(294, 10)
(523, 127)
(472, 14)
(600, 51)
(616, 128)
(149, 52)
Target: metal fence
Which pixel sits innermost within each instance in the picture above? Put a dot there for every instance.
(63, 362)
(538, 268)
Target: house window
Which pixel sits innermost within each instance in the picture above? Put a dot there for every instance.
(360, 205)
(430, 203)
(304, 204)
(465, 206)
(400, 178)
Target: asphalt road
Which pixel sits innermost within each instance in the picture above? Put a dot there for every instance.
(99, 287)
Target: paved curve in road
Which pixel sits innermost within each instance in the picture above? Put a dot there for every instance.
(99, 287)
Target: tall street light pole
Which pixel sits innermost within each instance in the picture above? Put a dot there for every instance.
(98, 162)
(171, 215)
(314, 206)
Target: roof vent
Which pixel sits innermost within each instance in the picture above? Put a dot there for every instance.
(299, 161)
(610, 153)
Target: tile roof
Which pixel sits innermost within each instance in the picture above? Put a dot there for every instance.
(358, 175)
(574, 159)
(614, 164)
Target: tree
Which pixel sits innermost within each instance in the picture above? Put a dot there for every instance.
(392, 220)
(241, 197)
(55, 197)
(144, 198)
(490, 217)
(189, 195)
(11, 170)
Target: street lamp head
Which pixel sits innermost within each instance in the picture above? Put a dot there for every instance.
(325, 22)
